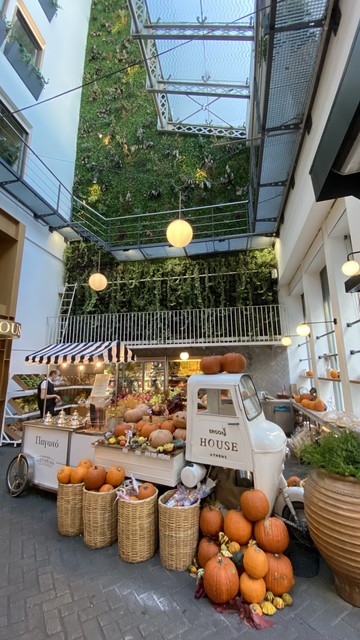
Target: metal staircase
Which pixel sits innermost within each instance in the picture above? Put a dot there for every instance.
(66, 303)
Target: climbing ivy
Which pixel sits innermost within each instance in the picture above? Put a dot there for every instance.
(124, 167)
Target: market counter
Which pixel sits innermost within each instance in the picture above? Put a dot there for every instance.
(143, 465)
(53, 446)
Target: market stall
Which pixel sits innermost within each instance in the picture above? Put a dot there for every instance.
(51, 442)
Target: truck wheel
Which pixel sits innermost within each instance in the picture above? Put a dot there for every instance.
(19, 474)
(302, 534)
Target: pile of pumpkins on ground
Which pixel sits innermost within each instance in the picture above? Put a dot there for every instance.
(96, 478)
(242, 553)
(161, 434)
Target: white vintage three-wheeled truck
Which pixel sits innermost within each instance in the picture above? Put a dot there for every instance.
(231, 431)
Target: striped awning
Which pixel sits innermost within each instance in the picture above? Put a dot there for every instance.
(81, 352)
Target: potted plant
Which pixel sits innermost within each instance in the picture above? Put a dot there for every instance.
(20, 59)
(332, 506)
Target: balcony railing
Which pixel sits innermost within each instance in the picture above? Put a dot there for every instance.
(233, 325)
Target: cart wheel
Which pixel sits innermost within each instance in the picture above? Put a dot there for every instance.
(19, 474)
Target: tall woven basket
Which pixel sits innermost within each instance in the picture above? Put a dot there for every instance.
(69, 506)
(138, 529)
(100, 518)
(178, 532)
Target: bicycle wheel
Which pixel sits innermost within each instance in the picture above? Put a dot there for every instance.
(19, 474)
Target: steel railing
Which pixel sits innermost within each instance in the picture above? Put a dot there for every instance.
(231, 325)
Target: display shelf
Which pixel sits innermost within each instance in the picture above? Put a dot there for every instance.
(329, 379)
(354, 381)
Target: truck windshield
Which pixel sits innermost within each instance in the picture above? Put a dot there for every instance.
(249, 397)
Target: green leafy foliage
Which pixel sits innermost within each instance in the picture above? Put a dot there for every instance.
(335, 453)
(215, 281)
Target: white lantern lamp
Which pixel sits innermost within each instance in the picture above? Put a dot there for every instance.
(184, 355)
(97, 281)
(179, 232)
(350, 267)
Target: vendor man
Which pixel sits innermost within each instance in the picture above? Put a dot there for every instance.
(47, 396)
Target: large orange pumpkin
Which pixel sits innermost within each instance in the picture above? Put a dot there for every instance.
(220, 580)
(94, 478)
(78, 474)
(167, 424)
(255, 562)
(211, 364)
(207, 549)
(237, 527)
(146, 490)
(64, 474)
(252, 589)
(254, 504)
(233, 362)
(211, 521)
(85, 462)
(121, 429)
(271, 535)
(280, 576)
(115, 476)
(146, 429)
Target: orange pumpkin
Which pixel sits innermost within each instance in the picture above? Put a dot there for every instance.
(271, 535)
(115, 476)
(237, 527)
(146, 429)
(306, 396)
(252, 589)
(318, 405)
(121, 429)
(220, 580)
(106, 487)
(211, 364)
(280, 576)
(94, 478)
(64, 474)
(146, 490)
(207, 549)
(254, 504)
(233, 362)
(211, 521)
(297, 399)
(85, 462)
(293, 481)
(78, 474)
(167, 424)
(255, 562)
(134, 499)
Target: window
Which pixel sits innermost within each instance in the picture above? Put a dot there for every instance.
(249, 397)
(12, 137)
(22, 34)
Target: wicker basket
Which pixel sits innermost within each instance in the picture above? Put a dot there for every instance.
(138, 529)
(69, 505)
(179, 533)
(100, 516)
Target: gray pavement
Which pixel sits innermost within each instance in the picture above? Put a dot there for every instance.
(54, 587)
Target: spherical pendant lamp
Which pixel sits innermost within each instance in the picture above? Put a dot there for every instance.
(97, 281)
(303, 329)
(179, 233)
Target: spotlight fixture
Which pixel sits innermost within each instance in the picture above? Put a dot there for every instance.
(350, 267)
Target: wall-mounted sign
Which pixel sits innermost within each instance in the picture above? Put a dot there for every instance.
(9, 329)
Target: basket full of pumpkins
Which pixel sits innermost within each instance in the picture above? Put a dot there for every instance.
(100, 506)
(69, 503)
(137, 521)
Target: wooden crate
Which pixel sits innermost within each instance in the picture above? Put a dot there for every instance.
(151, 467)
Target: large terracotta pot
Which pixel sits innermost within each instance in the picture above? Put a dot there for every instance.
(332, 509)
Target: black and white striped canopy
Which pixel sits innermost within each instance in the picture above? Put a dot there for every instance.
(81, 352)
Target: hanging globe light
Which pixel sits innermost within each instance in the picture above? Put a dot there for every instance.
(179, 233)
(286, 341)
(97, 281)
(184, 355)
(303, 329)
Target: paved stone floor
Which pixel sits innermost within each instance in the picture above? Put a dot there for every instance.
(54, 587)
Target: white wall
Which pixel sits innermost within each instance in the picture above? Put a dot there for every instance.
(317, 235)
(53, 132)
